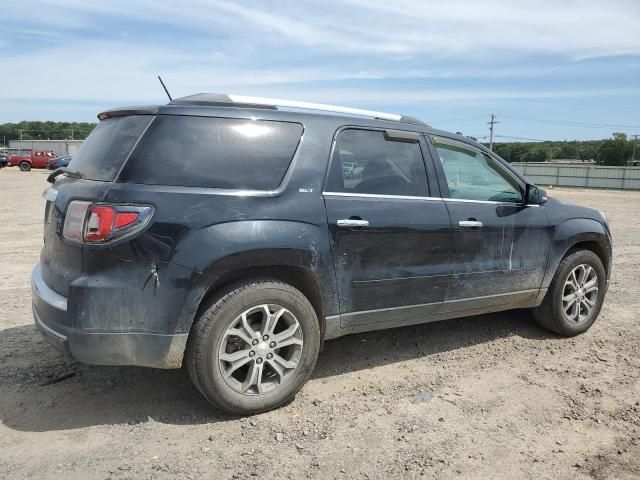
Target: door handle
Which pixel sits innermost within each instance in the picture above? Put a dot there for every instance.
(470, 223)
(353, 222)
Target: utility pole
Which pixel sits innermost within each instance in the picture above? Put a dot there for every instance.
(20, 131)
(491, 124)
(635, 142)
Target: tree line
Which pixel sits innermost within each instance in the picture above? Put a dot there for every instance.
(617, 150)
(44, 131)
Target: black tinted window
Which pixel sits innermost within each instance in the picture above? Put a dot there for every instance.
(365, 162)
(214, 153)
(104, 152)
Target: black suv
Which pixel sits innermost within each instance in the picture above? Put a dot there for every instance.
(235, 234)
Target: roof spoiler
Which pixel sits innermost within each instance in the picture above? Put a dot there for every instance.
(125, 111)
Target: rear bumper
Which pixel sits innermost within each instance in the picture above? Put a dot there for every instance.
(99, 348)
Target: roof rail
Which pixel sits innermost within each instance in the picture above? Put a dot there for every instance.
(261, 102)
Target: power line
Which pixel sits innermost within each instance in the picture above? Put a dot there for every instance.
(571, 122)
(448, 120)
(525, 138)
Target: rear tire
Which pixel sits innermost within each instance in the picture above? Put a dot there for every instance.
(575, 296)
(25, 166)
(254, 347)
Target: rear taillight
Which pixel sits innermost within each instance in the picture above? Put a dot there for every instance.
(99, 222)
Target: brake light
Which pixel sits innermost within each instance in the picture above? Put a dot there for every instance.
(89, 222)
(99, 223)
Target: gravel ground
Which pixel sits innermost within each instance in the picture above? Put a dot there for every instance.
(485, 397)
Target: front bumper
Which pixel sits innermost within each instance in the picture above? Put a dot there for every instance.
(96, 347)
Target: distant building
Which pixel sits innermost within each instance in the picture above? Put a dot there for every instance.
(59, 147)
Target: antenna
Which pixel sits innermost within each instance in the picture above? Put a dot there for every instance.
(165, 88)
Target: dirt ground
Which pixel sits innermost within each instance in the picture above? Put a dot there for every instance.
(502, 398)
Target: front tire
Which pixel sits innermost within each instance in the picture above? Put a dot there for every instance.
(254, 347)
(25, 166)
(575, 295)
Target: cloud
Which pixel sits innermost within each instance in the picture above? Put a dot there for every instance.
(362, 53)
(374, 27)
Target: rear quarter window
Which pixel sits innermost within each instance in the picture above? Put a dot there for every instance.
(105, 150)
(213, 153)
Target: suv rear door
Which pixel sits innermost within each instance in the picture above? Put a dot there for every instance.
(500, 244)
(390, 239)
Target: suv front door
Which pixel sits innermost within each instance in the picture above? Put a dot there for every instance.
(500, 244)
(391, 241)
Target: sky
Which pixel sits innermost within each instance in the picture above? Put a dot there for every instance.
(547, 69)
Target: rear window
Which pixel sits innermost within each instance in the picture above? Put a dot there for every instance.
(105, 150)
(213, 153)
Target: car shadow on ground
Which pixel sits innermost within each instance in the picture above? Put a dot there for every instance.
(31, 399)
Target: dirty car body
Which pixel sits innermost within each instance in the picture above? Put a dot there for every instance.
(417, 243)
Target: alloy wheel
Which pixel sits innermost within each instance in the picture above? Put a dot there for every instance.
(260, 349)
(580, 294)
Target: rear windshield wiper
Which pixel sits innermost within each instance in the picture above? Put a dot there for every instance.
(68, 172)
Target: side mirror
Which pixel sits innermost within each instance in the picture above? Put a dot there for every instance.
(535, 195)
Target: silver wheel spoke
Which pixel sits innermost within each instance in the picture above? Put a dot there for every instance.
(247, 328)
(236, 365)
(277, 359)
(235, 332)
(235, 356)
(588, 304)
(573, 281)
(270, 321)
(254, 377)
(591, 286)
(570, 305)
(277, 368)
(286, 337)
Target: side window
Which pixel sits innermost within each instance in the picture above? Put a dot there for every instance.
(472, 175)
(213, 152)
(365, 162)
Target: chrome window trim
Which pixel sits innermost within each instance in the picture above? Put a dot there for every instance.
(376, 195)
(408, 197)
(490, 202)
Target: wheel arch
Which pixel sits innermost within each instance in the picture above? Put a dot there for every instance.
(575, 234)
(595, 247)
(304, 280)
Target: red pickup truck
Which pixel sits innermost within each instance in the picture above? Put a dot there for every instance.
(28, 159)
